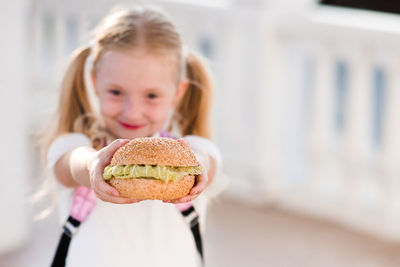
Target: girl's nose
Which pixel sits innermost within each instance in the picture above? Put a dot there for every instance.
(133, 110)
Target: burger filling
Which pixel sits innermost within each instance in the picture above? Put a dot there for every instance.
(165, 173)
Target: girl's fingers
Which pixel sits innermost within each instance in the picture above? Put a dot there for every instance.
(187, 198)
(194, 192)
(108, 193)
(116, 200)
(202, 181)
(106, 155)
(108, 152)
(103, 190)
(184, 199)
(99, 183)
(183, 142)
(101, 186)
(116, 144)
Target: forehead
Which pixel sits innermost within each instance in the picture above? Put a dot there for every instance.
(136, 68)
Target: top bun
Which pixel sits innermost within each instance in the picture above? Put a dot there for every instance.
(155, 151)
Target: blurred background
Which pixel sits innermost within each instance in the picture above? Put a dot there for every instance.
(306, 114)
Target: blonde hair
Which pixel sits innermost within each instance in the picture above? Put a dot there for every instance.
(140, 27)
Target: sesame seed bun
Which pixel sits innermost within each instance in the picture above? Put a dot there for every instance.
(159, 151)
(155, 151)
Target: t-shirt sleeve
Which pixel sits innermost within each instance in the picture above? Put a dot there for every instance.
(64, 144)
(203, 149)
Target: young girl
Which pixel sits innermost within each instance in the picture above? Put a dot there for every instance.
(144, 83)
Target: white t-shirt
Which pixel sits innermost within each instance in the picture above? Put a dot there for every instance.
(148, 233)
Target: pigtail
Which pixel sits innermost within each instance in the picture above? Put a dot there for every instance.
(193, 113)
(74, 100)
(73, 103)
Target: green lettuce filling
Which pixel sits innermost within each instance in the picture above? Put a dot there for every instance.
(165, 173)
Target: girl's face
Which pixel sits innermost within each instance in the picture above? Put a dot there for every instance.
(137, 91)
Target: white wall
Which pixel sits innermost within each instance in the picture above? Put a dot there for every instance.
(14, 164)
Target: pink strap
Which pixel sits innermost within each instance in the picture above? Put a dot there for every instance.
(83, 203)
(183, 206)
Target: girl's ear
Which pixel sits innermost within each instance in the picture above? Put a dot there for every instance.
(183, 85)
(93, 78)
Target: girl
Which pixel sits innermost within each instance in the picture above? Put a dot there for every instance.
(144, 82)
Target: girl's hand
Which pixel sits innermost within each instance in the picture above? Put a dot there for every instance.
(200, 184)
(96, 165)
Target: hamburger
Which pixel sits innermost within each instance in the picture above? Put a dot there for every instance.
(153, 168)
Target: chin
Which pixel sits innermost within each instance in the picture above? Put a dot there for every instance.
(124, 133)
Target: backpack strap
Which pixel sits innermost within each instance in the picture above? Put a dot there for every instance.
(192, 219)
(83, 204)
(62, 249)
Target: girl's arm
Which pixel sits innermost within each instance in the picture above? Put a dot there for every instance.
(84, 166)
(71, 169)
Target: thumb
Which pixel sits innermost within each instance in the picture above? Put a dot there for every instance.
(183, 142)
(105, 155)
(112, 148)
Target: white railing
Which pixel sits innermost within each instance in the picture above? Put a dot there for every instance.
(351, 174)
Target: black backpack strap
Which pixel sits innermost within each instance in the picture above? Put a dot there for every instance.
(69, 228)
(192, 219)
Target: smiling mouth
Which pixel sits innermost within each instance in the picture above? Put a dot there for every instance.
(131, 126)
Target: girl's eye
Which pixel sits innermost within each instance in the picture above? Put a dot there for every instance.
(115, 92)
(152, 96)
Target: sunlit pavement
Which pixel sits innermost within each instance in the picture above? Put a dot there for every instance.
(239, 235)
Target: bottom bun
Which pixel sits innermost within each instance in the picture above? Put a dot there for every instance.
(137, 188)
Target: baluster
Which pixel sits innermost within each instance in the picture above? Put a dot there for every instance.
(390, 170)
(271, 102)
(320, 136)
(358, 132)
(235, 83)
(231, 105)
